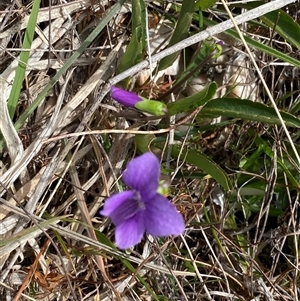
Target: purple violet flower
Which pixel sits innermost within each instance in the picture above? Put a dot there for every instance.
(142, 209)
(126, 98)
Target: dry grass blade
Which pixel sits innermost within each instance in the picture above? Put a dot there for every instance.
(13, 142)
(31, 271)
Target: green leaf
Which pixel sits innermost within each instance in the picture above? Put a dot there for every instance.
(203, 162)
(181, 31)
(135, 50)
(104, 239)
(24, 56)
(204, 4)
(139, 17)
(247, 110)
(143, 142)
(194, 101)
(281, 22)
(284, 25)
(153, 107)
(133, 53)
(258, 46)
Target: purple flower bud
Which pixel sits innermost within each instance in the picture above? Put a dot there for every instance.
(126, 98)
(221, 43)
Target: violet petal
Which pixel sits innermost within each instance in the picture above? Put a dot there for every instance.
(121, 207)
(162, 218)
(126, 98)
(142, 174)
(130, 232)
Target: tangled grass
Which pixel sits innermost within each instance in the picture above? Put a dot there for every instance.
(231, 159)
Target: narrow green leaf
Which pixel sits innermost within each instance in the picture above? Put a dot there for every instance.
(204, 163)
(258, 46)
(181, 31)
(194, 101)
(281, 22)
(24, 56)
(28, 231)
(247, 110)
(134, 271)
(139, 16)
(135, 50)
(285, 26)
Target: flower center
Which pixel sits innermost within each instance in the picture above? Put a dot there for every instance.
(140, 203)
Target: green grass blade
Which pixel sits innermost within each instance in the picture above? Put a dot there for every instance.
(27, 233)
(24, 56)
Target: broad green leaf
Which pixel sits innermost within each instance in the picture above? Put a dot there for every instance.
(204, 163)
(248, 190)
(135, 50)
(24, 56)
(133, 53)
(204, 4)
(247, 110)
(153, 107)
(181, 31)
(257, 45)
(139, 16)
(194, 101)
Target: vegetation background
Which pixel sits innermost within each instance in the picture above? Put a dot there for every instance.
(229, 147)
